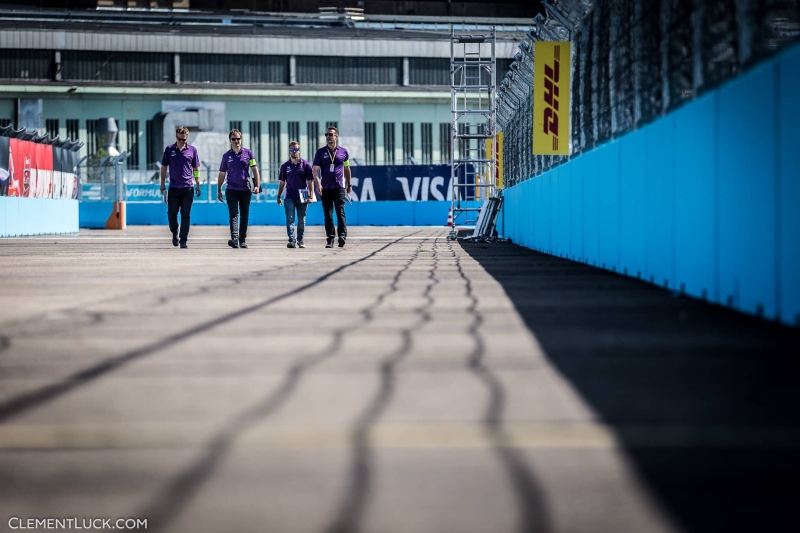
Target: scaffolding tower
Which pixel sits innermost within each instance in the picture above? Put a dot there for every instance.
(472, 124)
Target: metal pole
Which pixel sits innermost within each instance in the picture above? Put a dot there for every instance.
(208, 180)
(119, 182)
(103, 179)
(78, 175)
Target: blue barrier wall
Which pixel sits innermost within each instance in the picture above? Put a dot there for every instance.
(93, 214)
(705, 200)
(37, 216)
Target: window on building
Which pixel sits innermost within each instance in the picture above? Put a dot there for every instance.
(132, 136)
(274, 149)
(312, 132)
(137, 67)
(294, 131)
(23, 64)
(502, 66)
(428, 71)
(427, 142)
(51, 126)
(444, 142)
(370, 142)
(349, 70)
(152, 146)
(255, 141)
(235, 125)
(408, 142)
(463, 144)
(388, 143)
(234, 68)
(73, 129)
(91, 137)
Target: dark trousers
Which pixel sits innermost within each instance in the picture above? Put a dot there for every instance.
(334, 198)
(180, 199)
(238, 202)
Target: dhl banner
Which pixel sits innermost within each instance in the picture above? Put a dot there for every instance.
(551, 97)
(501, 184)
(498, 143)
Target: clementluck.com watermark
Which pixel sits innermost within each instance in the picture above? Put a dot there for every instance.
(76, 523)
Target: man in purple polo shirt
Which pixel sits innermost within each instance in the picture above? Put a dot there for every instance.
(184, 168)
(332, 162)
(296, 176)
(237, 164)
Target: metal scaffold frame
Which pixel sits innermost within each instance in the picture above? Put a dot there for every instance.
(473, 175)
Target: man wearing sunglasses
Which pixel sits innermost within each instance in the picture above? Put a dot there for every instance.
(184, 168)
(237, 163)
(332, 174)
(298, 180)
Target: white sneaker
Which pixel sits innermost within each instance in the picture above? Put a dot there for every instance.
(301, 244)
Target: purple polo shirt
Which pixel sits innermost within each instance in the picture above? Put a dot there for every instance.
(181, 165)
(238, 168)
(296, 177)
(332, 179)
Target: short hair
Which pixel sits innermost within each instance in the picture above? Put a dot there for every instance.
(294, 143)
(234, 131)
(182, 129)
(334, 128)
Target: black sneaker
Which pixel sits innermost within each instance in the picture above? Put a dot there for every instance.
(341, 242)
(174, 240)
(233, 243)
(183, 245)
(242, 244)
(330, 244)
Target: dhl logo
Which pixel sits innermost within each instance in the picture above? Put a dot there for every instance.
(551, 97)
(551, 75)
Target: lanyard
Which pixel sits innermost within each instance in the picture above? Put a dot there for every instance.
(332, 155)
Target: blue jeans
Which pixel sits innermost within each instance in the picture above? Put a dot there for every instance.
(289, 205)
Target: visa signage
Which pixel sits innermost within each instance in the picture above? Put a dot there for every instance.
(410, 183)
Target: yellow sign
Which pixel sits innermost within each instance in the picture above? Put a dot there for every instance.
(498, 170)
(551, 97)
(499, 144)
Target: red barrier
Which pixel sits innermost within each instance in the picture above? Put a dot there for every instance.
(30, 169)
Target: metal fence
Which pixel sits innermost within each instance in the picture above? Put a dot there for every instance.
(634, 61)
(109, 179)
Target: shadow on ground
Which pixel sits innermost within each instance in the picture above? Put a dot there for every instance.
(704, 400)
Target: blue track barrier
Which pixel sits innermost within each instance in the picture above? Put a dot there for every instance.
(93, 214)
(703, 201)
(37, 216)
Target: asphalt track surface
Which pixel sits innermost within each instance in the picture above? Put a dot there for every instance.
(403, 384)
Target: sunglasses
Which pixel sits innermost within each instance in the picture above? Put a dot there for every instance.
(294, 149)
(184, 139)
(236, 139)
(329, 134)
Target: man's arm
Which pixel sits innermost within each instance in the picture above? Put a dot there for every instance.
(347, 177)
(164, 166)
(220, 179)
(196, 176)
(281, 186)
(310, 186)
(256, 179)
(316, 172)
(280, 191)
